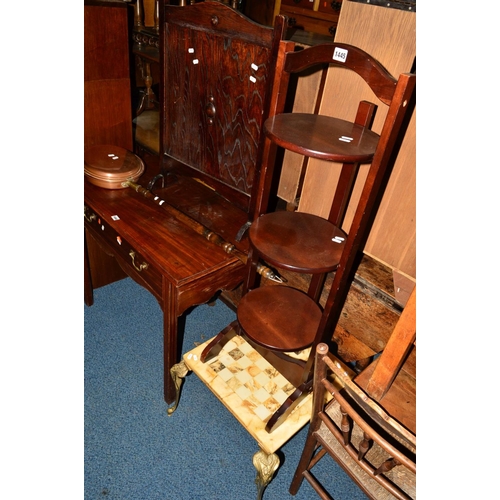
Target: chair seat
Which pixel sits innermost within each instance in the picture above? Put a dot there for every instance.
(400, 476)
(279, 318)
(323, 137)
(298, 241)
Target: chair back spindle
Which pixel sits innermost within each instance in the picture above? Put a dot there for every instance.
(377, 452)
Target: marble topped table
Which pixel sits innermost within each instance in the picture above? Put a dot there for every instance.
(252, 390)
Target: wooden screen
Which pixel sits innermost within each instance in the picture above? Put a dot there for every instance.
(215, 100)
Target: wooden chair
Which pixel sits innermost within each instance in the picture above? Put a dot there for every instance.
(371, 436)
(281, 319)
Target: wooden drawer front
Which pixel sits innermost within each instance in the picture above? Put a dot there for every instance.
(135, 265)
(304, 4)
(313, 24)
(329, 6)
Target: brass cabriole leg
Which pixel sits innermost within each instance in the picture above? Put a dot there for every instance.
(178, 372)
(266, 465)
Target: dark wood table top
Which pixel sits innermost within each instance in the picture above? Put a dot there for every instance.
(176, 249)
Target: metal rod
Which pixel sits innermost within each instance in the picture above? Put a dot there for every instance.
(207, 233)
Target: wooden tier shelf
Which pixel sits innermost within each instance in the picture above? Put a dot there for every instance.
(322, 137)
(279, 317)
(296, 241)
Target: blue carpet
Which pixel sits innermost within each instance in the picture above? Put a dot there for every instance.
(133, 450)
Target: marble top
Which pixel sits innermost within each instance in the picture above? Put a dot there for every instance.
(252, 390)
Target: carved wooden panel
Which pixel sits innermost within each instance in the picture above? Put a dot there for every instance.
(216, 103)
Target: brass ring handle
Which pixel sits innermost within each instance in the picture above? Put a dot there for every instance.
(210, 109)
(92, 216)
(140, 268)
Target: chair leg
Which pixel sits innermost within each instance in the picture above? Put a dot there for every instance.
(304, 462)
(219, 341)
(282, 413)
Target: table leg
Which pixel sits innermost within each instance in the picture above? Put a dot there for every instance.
(266, 465)
(88, 290)
(171, 341)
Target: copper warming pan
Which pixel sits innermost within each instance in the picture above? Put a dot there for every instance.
(110, 166)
